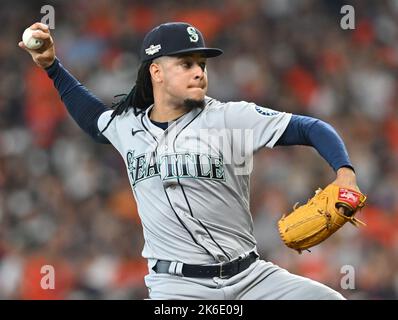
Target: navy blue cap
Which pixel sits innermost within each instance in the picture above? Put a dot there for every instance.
(174, 38)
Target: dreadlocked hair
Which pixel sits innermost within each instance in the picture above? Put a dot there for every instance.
(139, 98)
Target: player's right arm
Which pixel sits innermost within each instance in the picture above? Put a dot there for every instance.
(81, 104)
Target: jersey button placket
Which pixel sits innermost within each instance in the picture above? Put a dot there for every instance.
(163, 148)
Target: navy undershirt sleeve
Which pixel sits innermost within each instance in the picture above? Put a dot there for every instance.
(81, 104)
(308, 131)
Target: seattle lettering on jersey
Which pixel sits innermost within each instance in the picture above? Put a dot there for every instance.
(173, 165)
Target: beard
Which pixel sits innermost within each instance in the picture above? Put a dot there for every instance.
(191, 104)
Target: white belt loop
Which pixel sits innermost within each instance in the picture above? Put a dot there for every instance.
(172, 267)
(176, 268)
(179, 268)
(243, 255)
(246, 254)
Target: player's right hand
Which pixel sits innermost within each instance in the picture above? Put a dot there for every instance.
(45, 55)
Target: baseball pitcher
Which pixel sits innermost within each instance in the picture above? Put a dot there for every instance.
(188, 158)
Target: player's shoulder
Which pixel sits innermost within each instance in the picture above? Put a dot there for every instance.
(241, 110)
(109, 120)
(217, 105)
(130, 115)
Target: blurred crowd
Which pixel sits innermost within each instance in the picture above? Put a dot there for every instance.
(65, 201)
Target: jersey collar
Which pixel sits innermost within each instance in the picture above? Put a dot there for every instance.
(175, 126)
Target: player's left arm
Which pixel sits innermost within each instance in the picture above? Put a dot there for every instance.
(303, 130)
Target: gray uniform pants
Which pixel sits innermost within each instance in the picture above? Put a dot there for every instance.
(261, 281)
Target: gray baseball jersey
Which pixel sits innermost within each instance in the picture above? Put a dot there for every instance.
(191, 181)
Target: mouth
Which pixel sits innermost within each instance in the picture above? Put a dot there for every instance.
(196, 91)
(196, 87)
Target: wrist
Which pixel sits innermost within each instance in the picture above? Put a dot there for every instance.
(346, 178)
(48, 65)
(52, 68)
(345, 172)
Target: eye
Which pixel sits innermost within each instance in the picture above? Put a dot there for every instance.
(187, 64)
(203, 65)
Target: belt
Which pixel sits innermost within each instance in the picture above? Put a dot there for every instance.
(225, 270)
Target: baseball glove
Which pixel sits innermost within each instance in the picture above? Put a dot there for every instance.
(320, 217)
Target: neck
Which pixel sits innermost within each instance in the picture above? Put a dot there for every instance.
(165, 113)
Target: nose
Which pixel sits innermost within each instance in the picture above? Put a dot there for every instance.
(199, 71)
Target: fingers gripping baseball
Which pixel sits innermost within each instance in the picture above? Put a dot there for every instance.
(43, 56)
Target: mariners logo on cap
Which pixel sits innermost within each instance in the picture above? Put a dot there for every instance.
(193, 35)
(153, 49)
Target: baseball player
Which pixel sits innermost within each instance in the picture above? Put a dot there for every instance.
(192, 191)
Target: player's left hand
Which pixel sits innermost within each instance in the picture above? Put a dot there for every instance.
(346, 178)
(324, 214)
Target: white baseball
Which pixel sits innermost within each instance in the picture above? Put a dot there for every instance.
(29, 41)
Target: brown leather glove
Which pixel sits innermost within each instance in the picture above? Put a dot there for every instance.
(320, 217)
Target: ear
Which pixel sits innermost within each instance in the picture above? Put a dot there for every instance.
(156, 72)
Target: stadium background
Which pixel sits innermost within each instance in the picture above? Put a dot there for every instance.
(65, 201)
